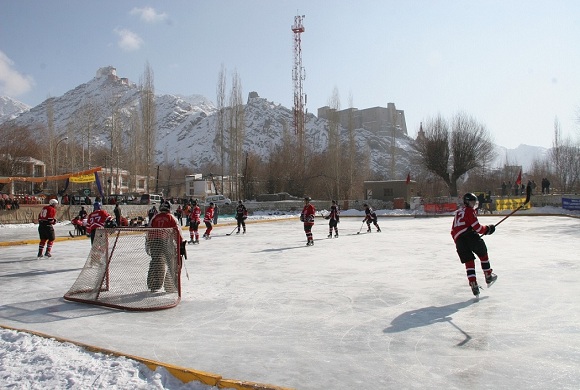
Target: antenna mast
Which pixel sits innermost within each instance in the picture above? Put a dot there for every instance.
(298, 75)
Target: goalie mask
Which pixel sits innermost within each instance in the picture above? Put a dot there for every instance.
(165, 206)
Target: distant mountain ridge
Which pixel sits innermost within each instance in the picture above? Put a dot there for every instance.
(11, 108)
(186, 125)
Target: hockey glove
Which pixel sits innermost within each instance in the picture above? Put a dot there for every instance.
(490, 229)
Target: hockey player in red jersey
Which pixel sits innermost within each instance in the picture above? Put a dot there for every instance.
(46, 220)
(307, 217)
(466, 232)
(98, 219)
(208, 220)
(162, 271)
(194, 221)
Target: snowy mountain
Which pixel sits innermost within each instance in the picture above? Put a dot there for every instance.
(10, 108)
(187, 125)
(523, 155)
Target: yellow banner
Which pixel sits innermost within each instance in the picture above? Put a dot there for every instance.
(47, 178)
(510, 203)
(88, 178)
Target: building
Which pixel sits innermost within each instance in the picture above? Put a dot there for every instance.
(198, 186)
(390, 190)
(121, 181)
(380, 120)
(22, 167)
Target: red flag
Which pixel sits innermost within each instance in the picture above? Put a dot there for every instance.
(408, 177)
(519, 179)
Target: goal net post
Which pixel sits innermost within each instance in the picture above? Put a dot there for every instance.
(137, 269)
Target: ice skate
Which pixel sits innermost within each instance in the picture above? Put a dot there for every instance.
(336, 235)
(474, 288)
(378, 230)
(47, 254)
(490, 278)
(368, 230)
(39, 254)
(330, 235)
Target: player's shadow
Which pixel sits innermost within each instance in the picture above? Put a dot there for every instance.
(48, 310)
(429, 315)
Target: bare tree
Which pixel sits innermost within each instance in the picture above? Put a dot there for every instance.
(221, 117)
(352, 153)
(451, 151)
(236, 132)
(333, 153)
(148, 120)
(50, 135)
(17, 143)
(565, 159)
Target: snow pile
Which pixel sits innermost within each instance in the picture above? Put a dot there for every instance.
(34, 362)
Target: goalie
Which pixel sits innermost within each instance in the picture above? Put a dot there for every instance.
(163, 271)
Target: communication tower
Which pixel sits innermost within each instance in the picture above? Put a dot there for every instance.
(298, 75)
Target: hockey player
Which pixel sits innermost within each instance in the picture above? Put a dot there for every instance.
(194, 220)
(241, 216)
(208, 219)
(46, 220)
(161, 249)
(333, 220)
(98, 219)
(370, 216)
(466, 232)
(307, 217)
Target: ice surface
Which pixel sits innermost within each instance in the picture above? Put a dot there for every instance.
(369, 311)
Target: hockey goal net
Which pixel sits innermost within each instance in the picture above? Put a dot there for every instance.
(131, 269)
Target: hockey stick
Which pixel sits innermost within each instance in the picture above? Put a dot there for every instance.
(232, 232)
(183, 253)
(528, 195)
(361, 226)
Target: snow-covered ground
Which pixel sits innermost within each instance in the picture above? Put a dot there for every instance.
(368, 311)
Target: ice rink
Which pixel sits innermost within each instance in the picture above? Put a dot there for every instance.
(389, 310)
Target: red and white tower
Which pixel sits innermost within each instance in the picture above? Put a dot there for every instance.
(298, 75)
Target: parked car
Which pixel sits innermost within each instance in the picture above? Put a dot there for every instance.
(150, 199)
(219, 200)
(79, 199)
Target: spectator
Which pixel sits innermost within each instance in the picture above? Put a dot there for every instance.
(117, 212)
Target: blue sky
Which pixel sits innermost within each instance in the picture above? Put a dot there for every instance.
(513, 65)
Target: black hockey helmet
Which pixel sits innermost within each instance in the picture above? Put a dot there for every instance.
(307, 198)
(468, 198)
(239, 201)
